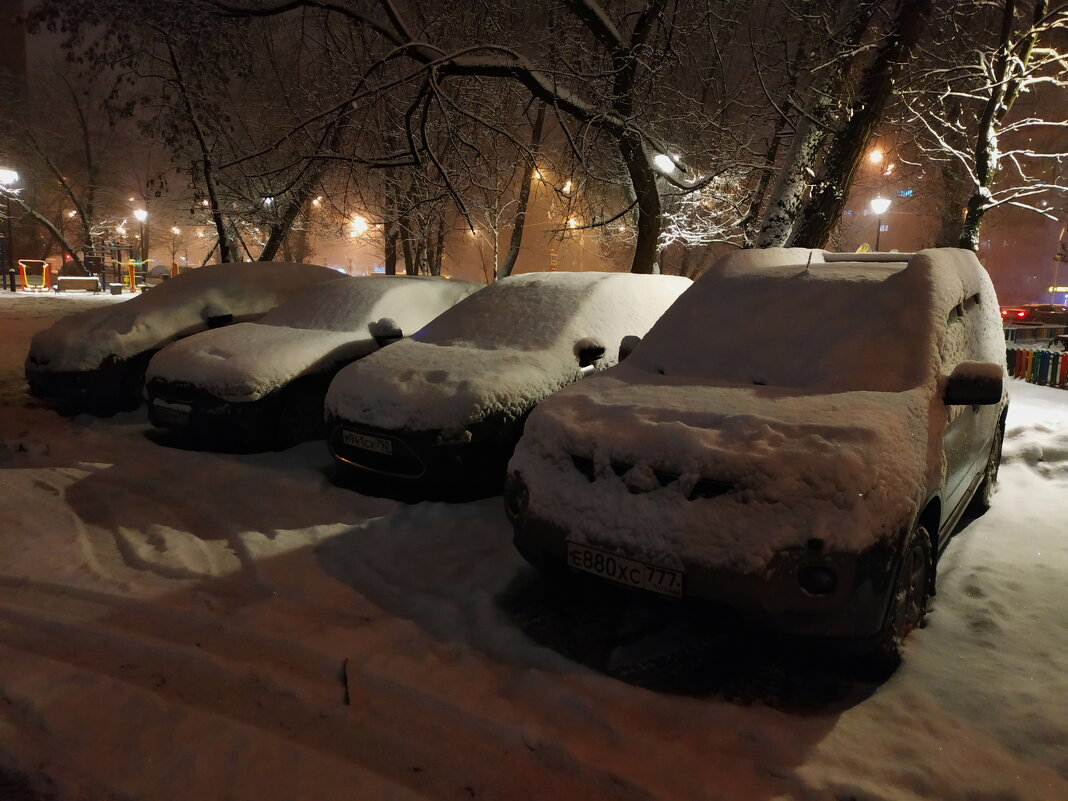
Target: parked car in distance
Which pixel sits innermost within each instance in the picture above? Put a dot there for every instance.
(796, 439)
(439, 413)
(1035, 313)
(95, 360)
(262, 384)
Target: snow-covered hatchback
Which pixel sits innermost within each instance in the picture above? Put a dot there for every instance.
(795, 439)
(440, 412)
(262, 384)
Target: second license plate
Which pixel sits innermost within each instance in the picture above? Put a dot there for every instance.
(622, 570)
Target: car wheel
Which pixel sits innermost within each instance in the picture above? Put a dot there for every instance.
(983, 495)
(908, 603)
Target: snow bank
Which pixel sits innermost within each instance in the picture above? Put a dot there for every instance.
(174, 309)
(825, 412)
(321, 326)
(499, 351)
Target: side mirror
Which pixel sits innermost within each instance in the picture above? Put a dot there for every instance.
(385, 331)
(588, 351)
(975, 384)
(627, 345)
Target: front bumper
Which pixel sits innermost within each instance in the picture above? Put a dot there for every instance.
(854, 609)
(117, 384)
(421, 460)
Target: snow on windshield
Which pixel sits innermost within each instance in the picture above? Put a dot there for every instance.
(525, 312)
(173, 309)
(838, 326)
(354, 302)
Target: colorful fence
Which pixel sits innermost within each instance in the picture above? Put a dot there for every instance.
(1046, 367)
(1033, 333)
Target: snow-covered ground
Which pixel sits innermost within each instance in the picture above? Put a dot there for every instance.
(184, 625)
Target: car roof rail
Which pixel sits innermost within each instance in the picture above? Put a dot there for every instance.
(877, 257)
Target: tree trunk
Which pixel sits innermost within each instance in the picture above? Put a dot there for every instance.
(643, 180)
(1009, 67)
(524, 197)
(389, 248)
(821, 213)
(806, 146)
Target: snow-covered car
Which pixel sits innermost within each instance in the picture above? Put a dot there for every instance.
(96, 359)
(796, 439)
(263, 383)
(441, 411)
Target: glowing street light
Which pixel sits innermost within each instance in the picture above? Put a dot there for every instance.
(879, 205)
(141, 215)
(664, 163)
(8, 178)
(358, 225)
(875, 156)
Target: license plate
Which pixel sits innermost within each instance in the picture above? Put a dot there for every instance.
(174, 415)
(367, 442)
(630, 572)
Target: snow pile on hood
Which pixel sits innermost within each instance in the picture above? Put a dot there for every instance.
(174, 309)
(833, 460)
(501, 350)
(318, 328)
(818, 424)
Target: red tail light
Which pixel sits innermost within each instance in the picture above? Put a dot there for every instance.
(1021, 314)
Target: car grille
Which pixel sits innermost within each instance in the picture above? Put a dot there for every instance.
(704, 488)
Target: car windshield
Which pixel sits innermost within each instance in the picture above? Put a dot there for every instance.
(526, 313)
(833, 327)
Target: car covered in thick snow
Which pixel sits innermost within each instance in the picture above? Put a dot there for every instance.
(440, 412)
(795, 439)
(96, 359)
(263, 383)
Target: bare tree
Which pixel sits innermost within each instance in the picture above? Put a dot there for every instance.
(990, 105)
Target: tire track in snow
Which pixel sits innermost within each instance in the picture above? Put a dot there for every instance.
(414, 739)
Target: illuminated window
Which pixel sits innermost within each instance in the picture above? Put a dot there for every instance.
(904, 193)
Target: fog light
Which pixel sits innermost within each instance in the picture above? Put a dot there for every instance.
(816, 580)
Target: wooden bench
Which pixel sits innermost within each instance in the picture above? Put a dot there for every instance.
(88, 283)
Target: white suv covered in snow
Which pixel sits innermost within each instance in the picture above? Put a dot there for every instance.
(796, 439)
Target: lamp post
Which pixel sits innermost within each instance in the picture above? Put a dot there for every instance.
(879, 205)
(141, 216)
(8, 178)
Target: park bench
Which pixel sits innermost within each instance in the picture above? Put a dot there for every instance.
(88, 283)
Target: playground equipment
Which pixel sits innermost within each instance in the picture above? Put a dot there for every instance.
(34, 275)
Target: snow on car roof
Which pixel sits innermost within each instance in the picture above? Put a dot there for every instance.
(834, 326)
(319, 327)
(501, 350)
(171, 310)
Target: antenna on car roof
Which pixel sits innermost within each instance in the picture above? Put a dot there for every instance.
(808, 264)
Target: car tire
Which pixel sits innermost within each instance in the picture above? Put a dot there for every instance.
(985, 492)
(908, 602)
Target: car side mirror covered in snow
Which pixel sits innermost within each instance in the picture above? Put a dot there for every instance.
(587, 351)
(627, 345)
(385, 331)
(975, 384)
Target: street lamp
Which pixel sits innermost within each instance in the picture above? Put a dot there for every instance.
(8, 178)
(879, 205)
(141, 215)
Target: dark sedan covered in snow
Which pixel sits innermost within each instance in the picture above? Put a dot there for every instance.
(262, 384)
(809, 479)
(96, 359)
(440, 412)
